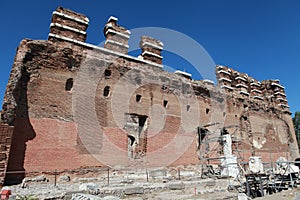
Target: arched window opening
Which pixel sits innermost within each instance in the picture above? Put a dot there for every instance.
(69, 84)
(106, 91)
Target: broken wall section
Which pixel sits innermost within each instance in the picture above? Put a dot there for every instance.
(68, 25)
(260, 109)
(6, 133)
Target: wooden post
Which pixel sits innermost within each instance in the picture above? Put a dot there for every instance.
(178, 173)
(55, 177)
(107, 176)
(147, 175)
(271, 159)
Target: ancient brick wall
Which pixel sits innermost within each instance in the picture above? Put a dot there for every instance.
(259, 109)
(38, 110)
(6, 138)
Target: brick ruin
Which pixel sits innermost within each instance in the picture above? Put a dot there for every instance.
(37, 127)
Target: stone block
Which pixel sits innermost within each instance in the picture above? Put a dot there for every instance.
(210, 183)
(176, 186)
(134, 190)
(158, 173)
(91, 188)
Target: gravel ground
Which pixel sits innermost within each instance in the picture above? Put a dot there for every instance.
(206, 189)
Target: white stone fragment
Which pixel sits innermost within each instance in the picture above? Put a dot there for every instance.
(258, 97)
(152, 54)
(224, 72)
(255, 90)
(151, 45)
(241, 85)
(240, 78)
(225, 79)
(277, 85)
(112, 18)
(116, 43)
(117, 33)
(67, 28)
(208, 81)
(243, 92)
(255, 165)
(183, 73)
(226, 86)
(280, 93)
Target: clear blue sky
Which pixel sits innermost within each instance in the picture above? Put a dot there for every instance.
(258, 37)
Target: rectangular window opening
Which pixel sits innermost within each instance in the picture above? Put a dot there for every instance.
(107, 73)
(165, 103)
(106, 91)
(188, 107)
(138, 98)
(207, 111)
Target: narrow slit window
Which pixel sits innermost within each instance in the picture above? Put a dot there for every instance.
(188, 107)
(207, 111)
(69, 84)
(165, 103)
(106, 91)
